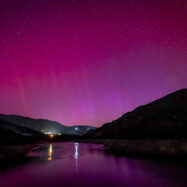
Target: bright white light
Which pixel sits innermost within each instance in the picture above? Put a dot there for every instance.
(76, 128)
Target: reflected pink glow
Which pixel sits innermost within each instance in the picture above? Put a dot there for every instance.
(95, 168)
(88, 62)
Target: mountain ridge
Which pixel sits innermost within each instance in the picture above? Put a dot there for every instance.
(163, 118)
(44, 125)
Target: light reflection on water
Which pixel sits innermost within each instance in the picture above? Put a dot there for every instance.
(72, 164)
(50, 152)
(76, 155)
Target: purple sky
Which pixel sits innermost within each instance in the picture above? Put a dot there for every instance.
(87, 62)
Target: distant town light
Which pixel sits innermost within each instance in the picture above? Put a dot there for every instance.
(76, 128)
(51, 135)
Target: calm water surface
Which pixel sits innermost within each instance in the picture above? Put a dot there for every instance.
(88, 165)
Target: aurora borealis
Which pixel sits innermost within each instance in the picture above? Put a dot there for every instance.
(87, 62)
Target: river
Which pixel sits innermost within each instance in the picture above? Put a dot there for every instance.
(73, 164)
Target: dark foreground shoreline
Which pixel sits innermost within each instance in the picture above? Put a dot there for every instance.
(14, 155)
(14, 152)
(149, 148)
(145, 147)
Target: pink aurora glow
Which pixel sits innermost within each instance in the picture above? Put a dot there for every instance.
(88, 62)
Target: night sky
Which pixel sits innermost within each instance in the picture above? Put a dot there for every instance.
(87, 62)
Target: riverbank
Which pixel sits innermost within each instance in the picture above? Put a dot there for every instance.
(144, 148)
(158, 148)
(14, 152)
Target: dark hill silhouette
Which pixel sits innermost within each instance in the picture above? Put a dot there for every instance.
(43, 125)
(162, 119)
(15, 134)
(25, 131)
